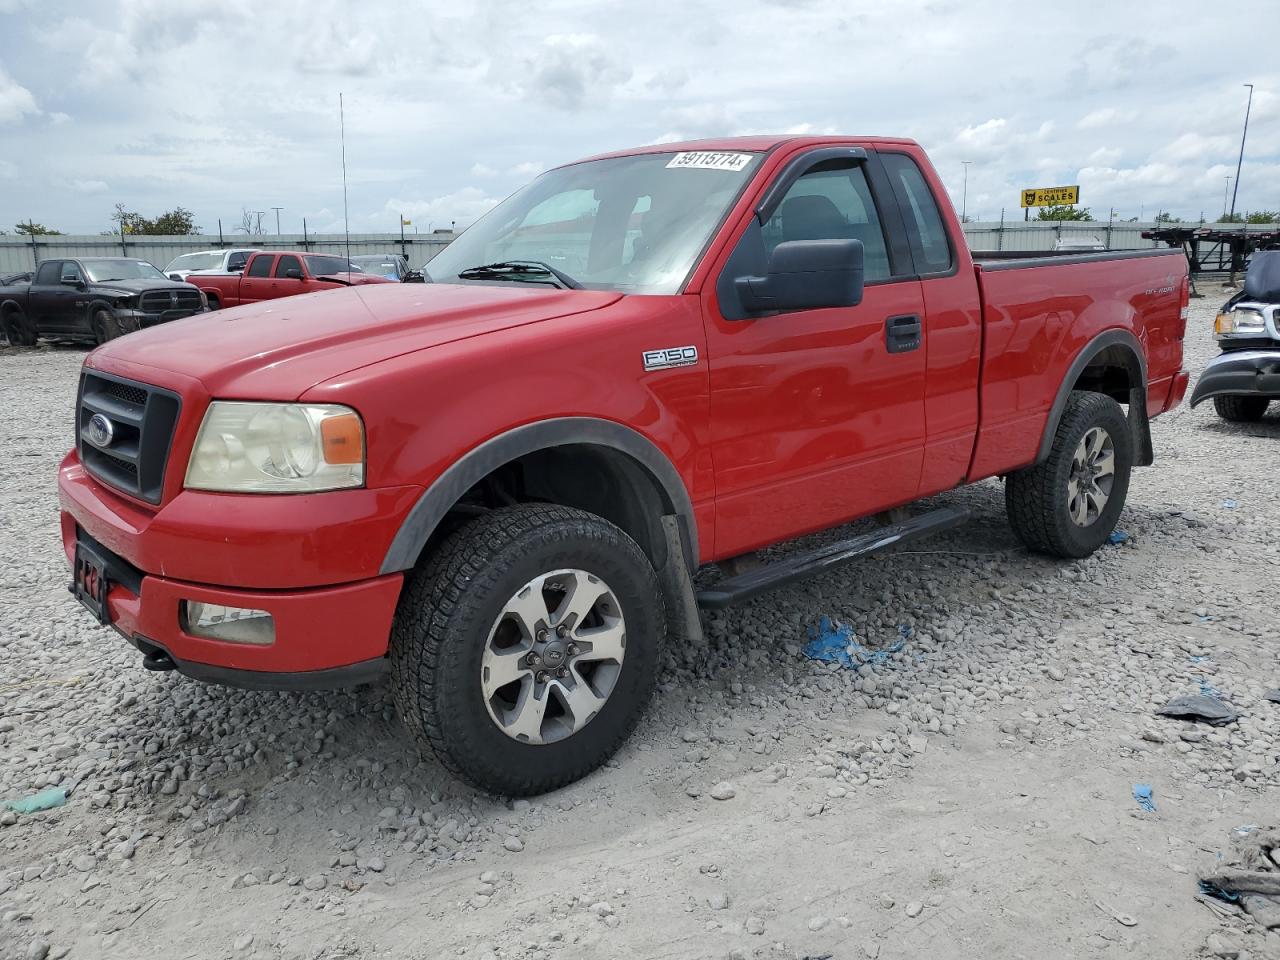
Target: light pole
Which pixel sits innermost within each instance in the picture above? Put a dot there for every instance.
(1244, 133)
(277, 210)
(1225, 191)
(964, 197)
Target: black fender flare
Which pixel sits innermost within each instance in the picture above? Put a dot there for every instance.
(1139, 422)
(479, 462)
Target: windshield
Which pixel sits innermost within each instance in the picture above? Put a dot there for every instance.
(382, 266)
(633, 224)
(324, 266)
(100, 271)
(196, 261)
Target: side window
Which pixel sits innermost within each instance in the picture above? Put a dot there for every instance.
(236, 262)
(832, 202)
(926, 232)
(285, 264)
(260, 266)
(49, 272)
(71, 271)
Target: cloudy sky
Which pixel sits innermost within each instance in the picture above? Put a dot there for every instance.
(230, 105)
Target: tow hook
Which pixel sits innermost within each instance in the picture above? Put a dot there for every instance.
(158, 660)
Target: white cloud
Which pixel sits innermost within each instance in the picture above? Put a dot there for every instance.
(16, 101)
(89, 186)
(530, 168)
(57, 118)
(572, 70)
(8, 171)
(1105, 117)
(462, 206)
(483, 170)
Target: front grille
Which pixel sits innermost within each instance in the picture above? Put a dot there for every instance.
(161, 301)
(142, 419)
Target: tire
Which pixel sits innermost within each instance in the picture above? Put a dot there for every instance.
(214, 303)
(1241, 409)
(454, 624)
(1051, 509)
(105, 325)
(18, 330)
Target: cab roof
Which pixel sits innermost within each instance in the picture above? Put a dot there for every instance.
(757, 143)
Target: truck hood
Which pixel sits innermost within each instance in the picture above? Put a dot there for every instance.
(130, 287)
(277, 349)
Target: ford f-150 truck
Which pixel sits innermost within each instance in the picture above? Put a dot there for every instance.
(268, 275)
(93, 298)
(497, 486)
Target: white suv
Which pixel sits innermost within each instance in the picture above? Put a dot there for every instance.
(208, 261)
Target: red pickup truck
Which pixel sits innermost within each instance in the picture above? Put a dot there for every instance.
(273, 274)
(497, 486)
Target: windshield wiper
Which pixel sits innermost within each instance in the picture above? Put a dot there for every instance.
(518, 270)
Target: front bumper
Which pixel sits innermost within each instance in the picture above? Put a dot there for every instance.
(1253, 373)
(146, 319)
(329, 636)
(309, 560)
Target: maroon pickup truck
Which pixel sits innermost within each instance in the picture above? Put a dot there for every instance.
(272, 274)
(497, 486)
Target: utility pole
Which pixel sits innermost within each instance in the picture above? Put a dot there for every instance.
(1225, 191)
(1244, 133)
(277, 210)
(258, 214)
(964, 198)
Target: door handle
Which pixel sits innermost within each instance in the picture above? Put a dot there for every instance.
(902, 333)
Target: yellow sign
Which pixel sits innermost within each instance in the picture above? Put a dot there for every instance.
(1050, 196)
(406, 223)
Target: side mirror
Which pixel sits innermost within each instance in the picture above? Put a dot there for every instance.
(293, 273)
(806, 275)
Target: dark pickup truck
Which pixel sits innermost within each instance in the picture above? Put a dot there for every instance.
(93, 298)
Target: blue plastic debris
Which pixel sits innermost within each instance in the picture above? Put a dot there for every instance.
(1210, 890)
(1207, 689)
(1229, 504)
(44, 800)
(1142, 793)
(833, 642)
(1117, 537)
(1198, 657)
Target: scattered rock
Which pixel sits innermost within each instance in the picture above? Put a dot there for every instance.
(724, 790)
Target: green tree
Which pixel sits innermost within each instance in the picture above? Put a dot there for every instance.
(175, 222)
(1164, 216)
(31, 228)
(1064, 211)
(1263, 216)
(1231, 218)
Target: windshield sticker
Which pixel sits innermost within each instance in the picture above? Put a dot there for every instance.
(704, 160)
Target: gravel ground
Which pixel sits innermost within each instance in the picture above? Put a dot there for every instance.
(967, 795)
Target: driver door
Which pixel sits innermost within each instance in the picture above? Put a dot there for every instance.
(817, 416)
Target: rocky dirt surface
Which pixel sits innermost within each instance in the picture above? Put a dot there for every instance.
(967, 794)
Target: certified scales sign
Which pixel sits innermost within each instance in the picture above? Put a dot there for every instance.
(1050, 196)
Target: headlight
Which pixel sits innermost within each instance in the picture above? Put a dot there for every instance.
(277, 448)
(1239, 322)
(204, 301)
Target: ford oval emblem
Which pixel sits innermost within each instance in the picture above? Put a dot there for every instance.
(101, 431)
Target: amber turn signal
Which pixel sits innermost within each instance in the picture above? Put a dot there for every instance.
(342, 438)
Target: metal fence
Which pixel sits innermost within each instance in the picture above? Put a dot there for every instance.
(22, 252)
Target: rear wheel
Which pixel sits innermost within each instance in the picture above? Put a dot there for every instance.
(524, 651)
(1241, 409)
(105, 325)
(18, 330)
(1068, 505)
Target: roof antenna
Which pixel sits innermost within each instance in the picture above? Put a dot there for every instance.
(346, 221)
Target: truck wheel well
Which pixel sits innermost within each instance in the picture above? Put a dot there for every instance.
(600, 480)
(1113, 371)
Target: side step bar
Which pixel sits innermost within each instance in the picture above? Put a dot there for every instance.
(753, 582)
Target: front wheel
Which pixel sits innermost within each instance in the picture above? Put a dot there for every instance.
(524, 651)
(1241, 409)
(105, 326)
(1068, 505)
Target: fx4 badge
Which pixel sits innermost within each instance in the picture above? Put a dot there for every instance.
(670, 357)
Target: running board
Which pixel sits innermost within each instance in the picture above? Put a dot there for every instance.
(747, 585)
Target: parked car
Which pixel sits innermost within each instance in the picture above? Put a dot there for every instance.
(497, 487)
(268, 275)
(93, 298)
(392, 266)
(209, 261)
(1244, 379)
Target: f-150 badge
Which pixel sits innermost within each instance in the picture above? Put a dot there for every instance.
(670, 357)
